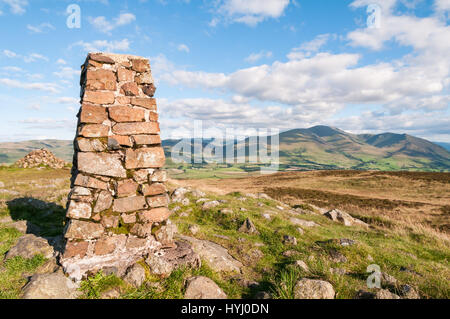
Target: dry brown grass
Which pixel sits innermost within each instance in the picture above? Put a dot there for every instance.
(401, 199)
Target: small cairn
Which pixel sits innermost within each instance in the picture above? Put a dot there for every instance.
(41, 158)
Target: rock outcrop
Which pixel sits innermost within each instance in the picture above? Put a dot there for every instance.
(203, 288)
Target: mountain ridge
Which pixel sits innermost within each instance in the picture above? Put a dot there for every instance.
(318, 147)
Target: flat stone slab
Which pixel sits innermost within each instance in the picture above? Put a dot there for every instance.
(215, 255)
(29, 246)
(51, 286)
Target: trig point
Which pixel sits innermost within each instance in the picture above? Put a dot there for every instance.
(117, 206)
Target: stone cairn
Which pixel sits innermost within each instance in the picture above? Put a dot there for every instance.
(40, 158)
(117, 208)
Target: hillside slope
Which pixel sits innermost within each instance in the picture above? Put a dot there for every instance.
(319, 147)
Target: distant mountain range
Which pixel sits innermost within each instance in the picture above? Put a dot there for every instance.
(319, 147)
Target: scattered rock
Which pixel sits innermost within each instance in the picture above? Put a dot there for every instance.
(338, 271)
(385, 294)
(166, 233)
(198, 193)
(226, 211)
(379, 294)
(210, 205)
(30, 245)
(249, 228)
(344, 218)
(51, 286)
(344, 242)
(244, 209)
(300, 231)
(408, 292)
(185, 202)
(25, 227)
(215, 255)
(202, 200)
(263, 196)
(203, 288)
(313, 289)
(39, 158)
(262, 295)
(267, 216)
(2, 184)
(302, 265)
(388, 280)
(337, 256)
(135, 275)
(6, 220)
(221, 237)
(194, 229)
(112, 293)
(290, 253)
(289, 240)
(165, 261)
(50, 266)
(179, 194)
(303, 223)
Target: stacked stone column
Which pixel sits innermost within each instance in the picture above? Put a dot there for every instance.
(117, 206)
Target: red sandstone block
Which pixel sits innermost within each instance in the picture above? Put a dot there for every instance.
(148, 103)
(136, 128)
(93, 114)
(90, 182)
(126, 114)
(105, 246)
(154, 189)
(90, 145)
(134, 242)
(76, 249)
(79, 210)
(100, 58)
(96, 97)
(158, 201)
(129, 204)
(149, 90)
(110, 221)
(155, 215)
(118, 140)
(94, 130)
(100, 80)
(147, 139)
(140, 65)
(143, 230)
(126, 187)
(144, 78)
(129, 89)
(106, 164)
(129, 218)
(159, 176)
(123, 100)
(125, 75)
(147, 157)
(78, 229)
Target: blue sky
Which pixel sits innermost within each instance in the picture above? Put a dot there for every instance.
(232, 63)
